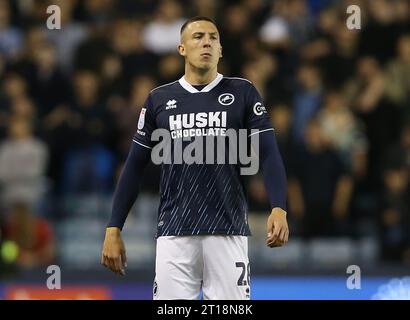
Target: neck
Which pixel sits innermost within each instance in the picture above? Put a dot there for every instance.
(195, 76)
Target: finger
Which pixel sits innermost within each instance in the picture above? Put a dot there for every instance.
(121, 270)
(274, 243)
(108, 263)
(124, 259)
(104, 261)
(272, 238)
(275, 233)
(287, 235)
(282, 235)
(111, 263)
(278, 243)
(117, 264)
(120, 266)
(269, 227)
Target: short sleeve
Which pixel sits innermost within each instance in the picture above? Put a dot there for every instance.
(257, 116)
(146, 125)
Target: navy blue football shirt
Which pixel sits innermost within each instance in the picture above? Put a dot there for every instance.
(199, 199)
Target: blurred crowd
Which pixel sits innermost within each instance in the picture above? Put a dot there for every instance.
(339, 100)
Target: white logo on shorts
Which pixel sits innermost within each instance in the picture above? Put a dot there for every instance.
(226, 99)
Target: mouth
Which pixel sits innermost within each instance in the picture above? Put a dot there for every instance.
(206, 54)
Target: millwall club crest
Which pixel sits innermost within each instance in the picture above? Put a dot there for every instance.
(141, 120)
(226, 99)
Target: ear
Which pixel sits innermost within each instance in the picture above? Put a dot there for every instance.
(220, 52)
(181, 50)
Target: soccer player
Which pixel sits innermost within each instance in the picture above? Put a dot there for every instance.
(201, 240)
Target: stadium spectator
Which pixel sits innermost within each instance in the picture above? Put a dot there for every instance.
(23, 161)
(381, 118)
(33, 236)
(395, 219)
(67, 39)
(307, 99)
(379, 36)
(11, 38)
(398, 74)
(161, 36)
(340, 128)
(126, 39)
(88, 165)
(47, 83)
(320, 187)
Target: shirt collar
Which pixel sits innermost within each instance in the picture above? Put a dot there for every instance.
(187, 86)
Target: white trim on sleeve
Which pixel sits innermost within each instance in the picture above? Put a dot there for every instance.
(260, 131)
(141, 144)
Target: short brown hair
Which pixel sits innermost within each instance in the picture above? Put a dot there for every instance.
(196, 18)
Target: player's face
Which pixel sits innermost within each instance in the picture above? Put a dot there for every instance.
(200, 45)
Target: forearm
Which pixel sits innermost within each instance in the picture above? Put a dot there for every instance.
(273, 170)
(128, 185)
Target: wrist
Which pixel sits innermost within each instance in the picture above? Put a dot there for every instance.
(113, 231)
(278, 210)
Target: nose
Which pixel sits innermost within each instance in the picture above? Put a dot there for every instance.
(207, 41)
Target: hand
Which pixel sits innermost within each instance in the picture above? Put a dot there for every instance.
(278, 231)
(113, 254)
